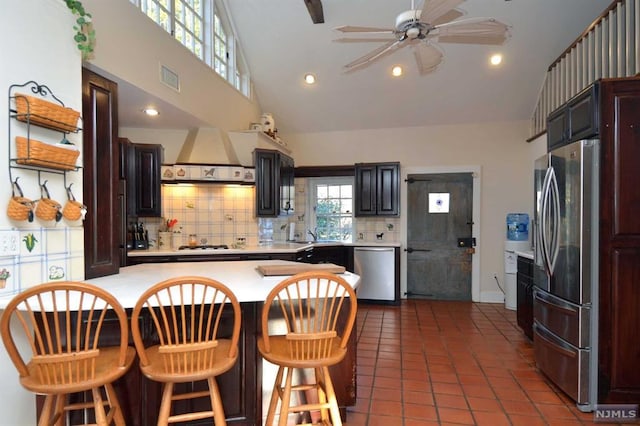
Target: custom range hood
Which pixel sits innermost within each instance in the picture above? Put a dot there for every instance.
(207, 155)
(208, 146)
(212, 146)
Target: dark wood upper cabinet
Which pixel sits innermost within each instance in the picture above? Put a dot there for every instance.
(102, 224)
(143, 179)
(267, 175)
(274, 183)
(577, 119)
(377, 189)
(287, 185)
(365, 190)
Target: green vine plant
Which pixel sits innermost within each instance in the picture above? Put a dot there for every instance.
(85, 36)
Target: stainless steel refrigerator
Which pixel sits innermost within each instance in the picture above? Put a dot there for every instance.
(565, 301)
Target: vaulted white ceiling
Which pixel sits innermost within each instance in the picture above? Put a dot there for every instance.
(281, 44)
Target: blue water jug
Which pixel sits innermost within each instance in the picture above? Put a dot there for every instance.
(517, 226)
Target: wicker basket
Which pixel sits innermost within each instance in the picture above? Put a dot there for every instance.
(19, 208)
(35, 153)
(73, 210)
(48, 209)
(46, 114)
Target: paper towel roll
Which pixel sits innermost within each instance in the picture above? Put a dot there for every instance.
(292, 231)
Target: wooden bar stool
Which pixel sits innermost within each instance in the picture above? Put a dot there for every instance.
(187, 314)
(319, 310)
(63, 323)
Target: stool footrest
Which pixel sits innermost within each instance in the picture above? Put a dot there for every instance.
(190, 416)
(190, 395)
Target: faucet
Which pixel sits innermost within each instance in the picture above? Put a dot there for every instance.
(314, 235)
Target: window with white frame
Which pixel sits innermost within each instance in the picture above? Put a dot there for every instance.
(332, 205)
(203, 27)
(220, 50)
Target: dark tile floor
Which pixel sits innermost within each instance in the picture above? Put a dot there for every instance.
(440, 363)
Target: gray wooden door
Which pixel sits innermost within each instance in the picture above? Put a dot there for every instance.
(439, 229)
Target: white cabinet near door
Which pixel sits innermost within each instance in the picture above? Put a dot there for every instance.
(376, 267)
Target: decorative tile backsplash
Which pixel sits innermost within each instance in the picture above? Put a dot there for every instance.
(46, 254)
(221, 214)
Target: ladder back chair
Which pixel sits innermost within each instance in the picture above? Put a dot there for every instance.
(187, 313)
(64, 324)
(319, 311)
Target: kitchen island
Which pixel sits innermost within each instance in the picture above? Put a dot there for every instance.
(241, 387)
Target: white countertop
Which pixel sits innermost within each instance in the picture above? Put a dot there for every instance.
(240, 276)
(526, 253)
(276, 247)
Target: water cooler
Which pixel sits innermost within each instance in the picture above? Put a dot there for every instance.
(517, 240)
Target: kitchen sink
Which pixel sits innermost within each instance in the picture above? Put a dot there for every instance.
(329, 242)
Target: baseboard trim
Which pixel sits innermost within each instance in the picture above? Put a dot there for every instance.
(491, 297)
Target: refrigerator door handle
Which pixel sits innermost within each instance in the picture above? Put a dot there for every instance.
(544, 212)
(555, 224)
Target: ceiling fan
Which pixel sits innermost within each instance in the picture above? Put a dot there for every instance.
(421, 28)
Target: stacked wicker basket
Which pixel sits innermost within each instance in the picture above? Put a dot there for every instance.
(46, 114)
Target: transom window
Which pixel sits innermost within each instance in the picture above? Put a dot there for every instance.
(332, 204)
(203, 27)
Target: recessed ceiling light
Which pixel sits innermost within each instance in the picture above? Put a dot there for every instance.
(309, 78)
(396, 71)
(151, 111)
(496, 59)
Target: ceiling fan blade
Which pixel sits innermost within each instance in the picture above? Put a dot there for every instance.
(448, 17)
(354, 29)
(363, 39)
(315, 11)
(374, 54)
(428, 57)
(473, 31)
(432, 10)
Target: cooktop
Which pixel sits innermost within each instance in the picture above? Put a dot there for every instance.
(205, 247)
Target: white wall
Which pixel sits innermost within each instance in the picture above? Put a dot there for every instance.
(171, 140)
(500, 151)
(36, 41)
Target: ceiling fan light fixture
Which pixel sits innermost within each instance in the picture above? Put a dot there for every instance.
(151, 111)
(396, 71)
(496, 59)
(413, 32)
(309, 78)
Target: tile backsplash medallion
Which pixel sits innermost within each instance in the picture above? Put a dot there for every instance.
(216, 214)
(220, 214)
(46, 254)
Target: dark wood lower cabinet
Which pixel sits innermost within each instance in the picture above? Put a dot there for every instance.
(239, 387)
(525, 296)
(134, 260)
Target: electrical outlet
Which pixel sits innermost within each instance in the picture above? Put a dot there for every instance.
(9, 242)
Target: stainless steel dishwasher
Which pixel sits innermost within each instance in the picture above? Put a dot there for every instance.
(376, 267)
